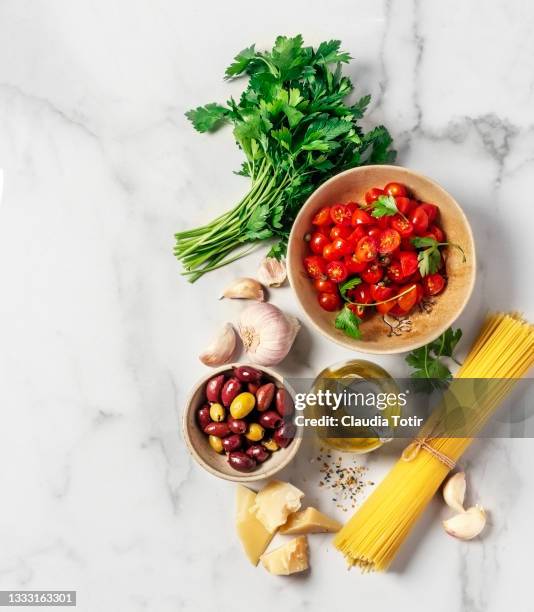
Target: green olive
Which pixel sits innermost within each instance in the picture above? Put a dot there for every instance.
(242, 404)
(270, 445)
(216, 444)
(255, 432)
(217, 413)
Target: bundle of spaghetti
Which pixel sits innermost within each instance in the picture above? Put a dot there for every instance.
(504, 350)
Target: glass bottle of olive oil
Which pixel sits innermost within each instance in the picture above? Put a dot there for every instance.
(360, 377)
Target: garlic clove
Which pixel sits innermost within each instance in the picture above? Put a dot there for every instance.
(272, 272)
(466, 525)
(221, 349)
(244, 289)
(454, 491)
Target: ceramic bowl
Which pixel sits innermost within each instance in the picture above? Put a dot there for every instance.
(387, 335)
(197, 440)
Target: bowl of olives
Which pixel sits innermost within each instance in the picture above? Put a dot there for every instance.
(238, 423)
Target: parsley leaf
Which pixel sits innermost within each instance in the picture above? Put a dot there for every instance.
(349, 284)
(207, 118)
(348, 322)
(241, 62)
(430, 258)
(384, 206)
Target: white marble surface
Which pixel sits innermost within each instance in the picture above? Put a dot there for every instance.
(99, 333)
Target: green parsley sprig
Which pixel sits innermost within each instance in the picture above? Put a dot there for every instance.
(430, 258)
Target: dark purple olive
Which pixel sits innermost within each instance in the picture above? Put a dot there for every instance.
(270, 419)
(213, 388)
(247, 374)
(238, 426)
(232, 443)
(284, 434)
(253, 387)
(203, 416)
(232, 388)
(258, 452)
(284, 403)
(264, 396)
(241, 461)
(221, 430)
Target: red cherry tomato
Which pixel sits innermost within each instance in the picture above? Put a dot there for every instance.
(407, 301)
(352, 206)
(408, 262)
(328, 252)
(405, 205)
(353, 265)
(361, 217)
(329, 301)
(318, 242)
(341, 247)
(366, 249)
(372, 274)
(374, 232)
(360, 294)
(324, 285)
(433, 284)
(394, 272)
(431, 211)
(358, 233)
(315, 266)
(359, 311)
(340, 231)
(373, 193)
(322, 217)
(438, 233)
(337, 271)
(419, 220)
(407, 245)
(380, 292)
(389, 241)
(403, 226)
(340, 214)
(396, 189)
(383, 222)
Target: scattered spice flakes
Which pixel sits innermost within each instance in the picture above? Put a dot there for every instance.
(346, 482)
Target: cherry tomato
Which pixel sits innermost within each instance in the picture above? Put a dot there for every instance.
(394, 272)
(433, 284)
(315, 266)
(373, 193)
(383, 222)
(397, 311)
(352, 206)
(322, 217)
(329, 301)
(361, 294)
(407, 301)
(340, 231)
(337, 271)
(372, 274)
(438, 233)
(340, 214)
(385, 307)
(419, 220)
(408, 262)
(358, 233)
(389, 241)
(341, 247)
(359, 311)
(431, 211)
(361, 217)
(405, 205)
(318, 242)
(396, 189)
(403, 226)
(374, 232)
(353, 265)
(380, 292)
(328, 252)
(407, 245)
(324, 285)
(366, 249)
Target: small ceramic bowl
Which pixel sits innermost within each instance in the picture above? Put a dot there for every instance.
(197, 440)
(386, 335)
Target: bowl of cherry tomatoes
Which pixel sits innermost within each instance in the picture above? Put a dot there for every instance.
(381, 259)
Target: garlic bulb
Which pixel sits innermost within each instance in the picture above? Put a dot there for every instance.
(272, 272)
(454, 491)
(221, 349)
(244, 289)
(267, 333)
(466, 525)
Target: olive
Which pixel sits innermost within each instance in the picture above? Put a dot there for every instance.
(221, 430)
(284, 434)
(231, 388)
(247, 374)
(284, 403)
(253, 387)
(270, 445)
(232, 443)
(203, 416)
(255, 432)
(264, 396)
(217, 413)
(258, 452)
(216, 444)
(242, 404)
(213, 388)
(241, 461)
(237, 426)
(270, 419)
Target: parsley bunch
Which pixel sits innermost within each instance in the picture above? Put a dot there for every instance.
(296, 130)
